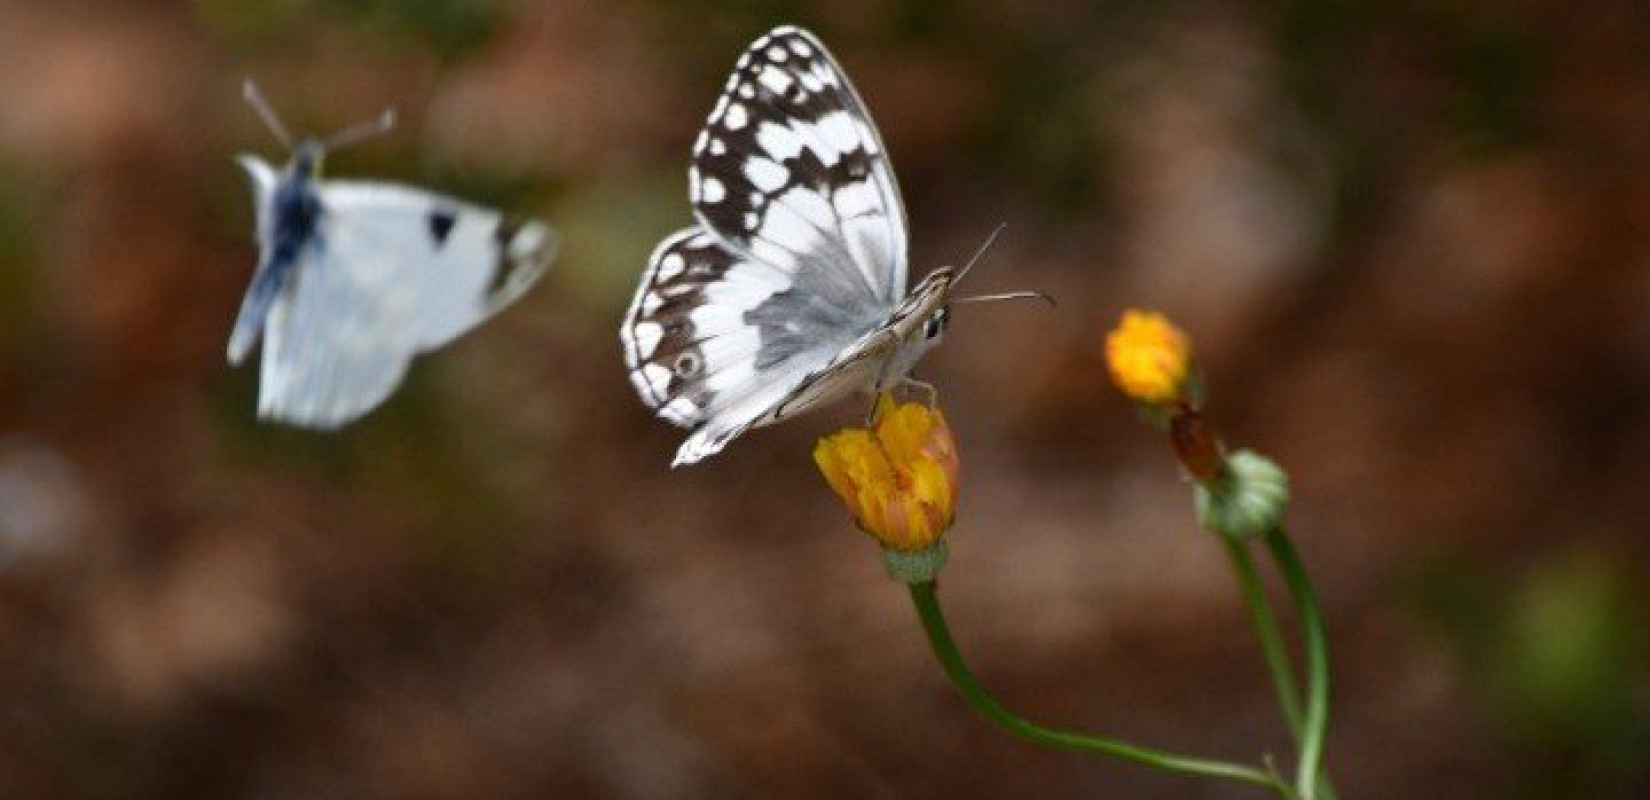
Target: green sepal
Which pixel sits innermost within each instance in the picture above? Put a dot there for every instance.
(919, 566)
(1248, 497)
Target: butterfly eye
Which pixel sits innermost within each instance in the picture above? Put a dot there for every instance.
(687, 364)
(936, 323)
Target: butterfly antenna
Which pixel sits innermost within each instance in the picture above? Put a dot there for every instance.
(985, 298)
(1025, 295)
(362, 131)
(255, 98)
(980, 253)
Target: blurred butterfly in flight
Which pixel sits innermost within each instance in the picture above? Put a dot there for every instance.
(354, 278)
(789, 292)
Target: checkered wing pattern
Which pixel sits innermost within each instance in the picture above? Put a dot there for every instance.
(789, 169)
(799, 254)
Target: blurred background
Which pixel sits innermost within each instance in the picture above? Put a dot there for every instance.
(1410, 237)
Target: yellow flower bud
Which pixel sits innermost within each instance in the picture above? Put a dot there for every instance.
(1149, 357)
(898, 477)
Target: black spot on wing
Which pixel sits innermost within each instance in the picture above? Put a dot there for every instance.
(441, 222)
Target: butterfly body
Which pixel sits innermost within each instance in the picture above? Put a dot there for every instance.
(918, 324)
(789, 292)
(295, 207)
(287, 228)
(355, 278)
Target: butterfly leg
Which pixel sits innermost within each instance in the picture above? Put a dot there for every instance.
(880, 345)
(931, 395)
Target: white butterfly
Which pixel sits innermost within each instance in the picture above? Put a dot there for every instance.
(355, 278)
(789, 293)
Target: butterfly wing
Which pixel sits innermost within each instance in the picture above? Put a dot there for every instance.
(269, 276)
(442, 265)
(393, 272)
(708, 345)
(746, 319)
(790, 170)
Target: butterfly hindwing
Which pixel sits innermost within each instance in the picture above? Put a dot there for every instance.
(675, 320)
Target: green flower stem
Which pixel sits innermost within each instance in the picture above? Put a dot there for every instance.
(1266, 629)
(1278, 661)
(945, 649)
(1316, 721)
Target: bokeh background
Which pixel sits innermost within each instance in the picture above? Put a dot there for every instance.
(1411, 239)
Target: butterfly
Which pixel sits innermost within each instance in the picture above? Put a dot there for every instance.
(355, 278)
(789, 291)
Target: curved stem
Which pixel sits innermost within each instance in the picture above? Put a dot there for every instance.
(1266, 629)
(1278, 661)
(1315, 724)
(950, 658)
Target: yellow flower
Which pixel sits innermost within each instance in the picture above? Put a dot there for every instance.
(1149, 357)
(898, 477)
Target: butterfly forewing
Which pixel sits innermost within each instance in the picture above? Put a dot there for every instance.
(790, 170)
(444, 265)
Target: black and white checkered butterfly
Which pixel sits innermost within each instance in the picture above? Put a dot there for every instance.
(355, 278)
(789, 293)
